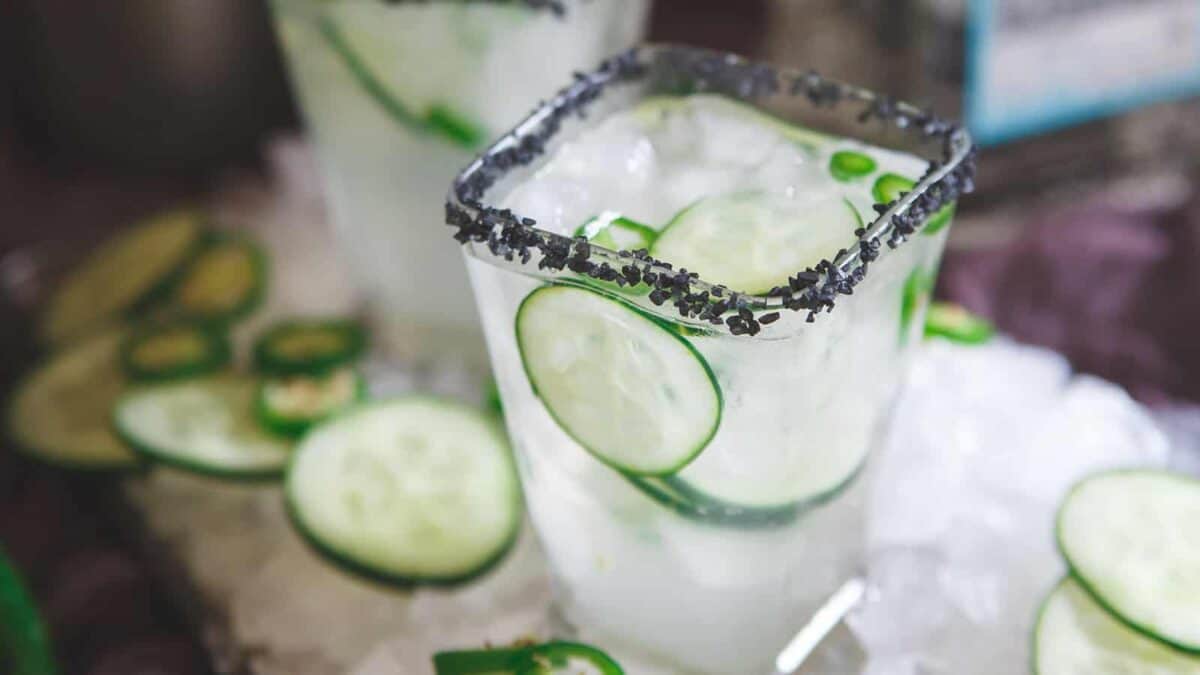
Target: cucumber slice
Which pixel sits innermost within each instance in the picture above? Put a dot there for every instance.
(753, 241)
(61, 411)
(25, 647)
(174, 351)
(636, 395)
(223, 283)
(953, 322)
(204, 426)
(125, 272)
(614, 231)
(1076, 636)
(652, 110)
(438, 120)
(289, 406)
(309, 346)
(1132, 539)
(552, 658)
(406, 491)
(693, 504)
(889, 187)
(847, 165)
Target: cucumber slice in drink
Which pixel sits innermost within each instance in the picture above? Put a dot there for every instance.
(552, 658)
(753, 241)
(175, 351)
(25, 647)
(407, 491)
(653, 110)
(369, 67)
(124, 273)
(687, 501)
(204, 426)
(636, 395)
(60, 413)
(889, 187)
(1132, 539)
(847, 165)
(223, 283)
(954, 323)
(309, 346)
(1075, 635)
(289, 406)
(614, 231)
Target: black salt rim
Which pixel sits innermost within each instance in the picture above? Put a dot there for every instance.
(557, 7)
(813, 290)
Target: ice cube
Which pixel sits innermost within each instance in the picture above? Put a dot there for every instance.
(986, 442)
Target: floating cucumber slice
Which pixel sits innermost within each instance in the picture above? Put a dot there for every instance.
(693, 504)
(953, 322)
(614, 231)
(652, 110)
(309, 346)
(889, 187)
(205, 426)
(1076, 636)
(410, 490)
(25, 647)
(753, 241)
(846, 165)
(636, 395)
(1132, 539)
(290, 406)
(223, 283)
(369, 68)
(174, 351)
(61, 411)
(125, 272)
(552, 658)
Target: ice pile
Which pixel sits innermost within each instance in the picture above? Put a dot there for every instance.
(987, 441)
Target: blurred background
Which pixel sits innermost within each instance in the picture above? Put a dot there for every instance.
(1081, 237)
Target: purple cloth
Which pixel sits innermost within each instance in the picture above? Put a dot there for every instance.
(1115, 290)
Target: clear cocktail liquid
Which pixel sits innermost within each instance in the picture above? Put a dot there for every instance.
(398, 97)
(711, 567)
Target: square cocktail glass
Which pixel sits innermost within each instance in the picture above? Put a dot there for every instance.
(656, 256)
(398, 97)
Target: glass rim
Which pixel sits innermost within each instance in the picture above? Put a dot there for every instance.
(815, 289)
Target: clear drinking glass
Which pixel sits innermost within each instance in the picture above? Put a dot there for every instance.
(706, 567)
(398, 97)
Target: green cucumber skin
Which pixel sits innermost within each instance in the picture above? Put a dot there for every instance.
(295, 427)
(267, 362)
(31, 449)
(712, 378)
(25, 645)
(153, 456)
(160, 293)
(1086, 586)
(438, 120)
(402, 581)
(220, 357)
(254, 298)
(693, 504)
